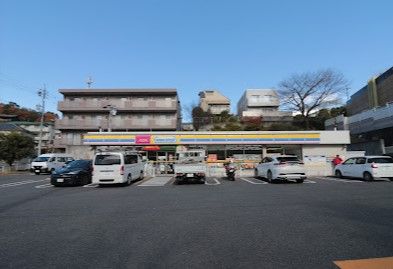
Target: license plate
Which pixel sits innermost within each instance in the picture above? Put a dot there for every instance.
(37, 170)
(60, 180)
(190, 175)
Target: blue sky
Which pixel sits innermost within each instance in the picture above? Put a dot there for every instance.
(188, 45)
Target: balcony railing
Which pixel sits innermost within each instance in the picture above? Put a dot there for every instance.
(366, 121)
(151, 124)
(135, 105)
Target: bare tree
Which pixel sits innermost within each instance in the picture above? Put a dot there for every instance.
(307, 93)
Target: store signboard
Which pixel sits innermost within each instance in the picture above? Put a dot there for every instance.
(202, 139)
(143, 139)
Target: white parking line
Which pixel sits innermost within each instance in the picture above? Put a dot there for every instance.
(91, 185)
(155, 182)
(342, 180)
(308, 181)
(47, 185)
(212, 184)
(252, 182)
(13, 184)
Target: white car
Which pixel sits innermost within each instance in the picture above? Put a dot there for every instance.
(366, 167)
(47, 163)
(117, 168)
(281, 168)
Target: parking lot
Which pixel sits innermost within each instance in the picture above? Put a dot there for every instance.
(248, 223)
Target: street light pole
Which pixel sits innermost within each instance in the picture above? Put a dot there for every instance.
(41, 93)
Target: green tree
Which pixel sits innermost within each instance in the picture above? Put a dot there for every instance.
(232, 127)
(15, 146)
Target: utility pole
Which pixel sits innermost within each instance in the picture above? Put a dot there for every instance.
(43, 94)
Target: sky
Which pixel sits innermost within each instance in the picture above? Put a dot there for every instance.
(189, 45)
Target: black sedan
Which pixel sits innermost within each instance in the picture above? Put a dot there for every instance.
(78, 172)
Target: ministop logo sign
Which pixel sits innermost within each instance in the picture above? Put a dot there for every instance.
(142, 139)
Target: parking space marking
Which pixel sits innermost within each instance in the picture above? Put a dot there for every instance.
(342, 180)
(308, 181)
(212, 184)
(252, 182)
(47, 185)
(19, 183)
(91, 185)
(155, 182)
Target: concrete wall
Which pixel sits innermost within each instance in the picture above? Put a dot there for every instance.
(317, 159)
(80, 152)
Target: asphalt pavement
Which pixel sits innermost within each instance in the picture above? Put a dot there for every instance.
(156, 224)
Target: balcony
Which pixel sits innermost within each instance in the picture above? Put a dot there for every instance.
(122, 106)
(116, 124)
(366, 121)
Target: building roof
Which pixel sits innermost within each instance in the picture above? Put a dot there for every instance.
(164, 91)
(9, 127)
(30, 123)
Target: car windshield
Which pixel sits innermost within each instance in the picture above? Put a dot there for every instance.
(107, 159)
(41, 159)
(288, 159)
(77, 164)
(380, 160)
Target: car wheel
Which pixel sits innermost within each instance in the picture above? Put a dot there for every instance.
(338, 174)
(141, 176)
(256, 173)
(52, 170)
(86, 180)
(300, 180)
(129, 179)
(269, 176)
(367, 176)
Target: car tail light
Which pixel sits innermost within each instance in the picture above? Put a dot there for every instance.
(373, 165)
(200, 174)
(122, 170)
(179, 174)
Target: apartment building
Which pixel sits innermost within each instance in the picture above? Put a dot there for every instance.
(86, 110)
(213, 101)
(263, 103)
(48, 133)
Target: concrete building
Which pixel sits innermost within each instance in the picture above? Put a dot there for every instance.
(213, 101)
(370, 116)
(377, 92)
(87, 110)
(262, 103)
(48, 133)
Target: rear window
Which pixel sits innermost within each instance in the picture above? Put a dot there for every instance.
(107, 159)
(288, 159)
(380, 160)
(78, 164)
(41, 159)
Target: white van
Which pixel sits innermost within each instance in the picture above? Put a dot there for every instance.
(117, 167)
(46, 163)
